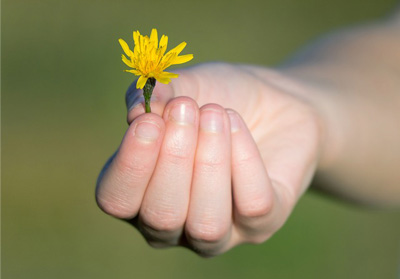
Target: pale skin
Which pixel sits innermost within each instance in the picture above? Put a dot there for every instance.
(228, 150)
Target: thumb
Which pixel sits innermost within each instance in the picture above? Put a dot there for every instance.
(184, 85)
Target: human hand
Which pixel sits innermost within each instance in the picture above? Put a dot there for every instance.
(213, 177)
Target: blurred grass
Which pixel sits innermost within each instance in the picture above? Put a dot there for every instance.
(63, 115)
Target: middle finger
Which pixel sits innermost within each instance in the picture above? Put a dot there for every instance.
(209, 219)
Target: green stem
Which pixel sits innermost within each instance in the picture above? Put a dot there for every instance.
(147, 91)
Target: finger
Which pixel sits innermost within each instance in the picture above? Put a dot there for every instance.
(165, 205)
(253, 195)
(122, 186)
(208, 223)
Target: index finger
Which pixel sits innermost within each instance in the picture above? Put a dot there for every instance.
(121, 188)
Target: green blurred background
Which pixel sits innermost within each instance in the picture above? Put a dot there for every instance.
(63, 114)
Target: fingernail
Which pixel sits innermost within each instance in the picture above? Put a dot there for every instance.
(183, 113)
(211, 120)
(235, 121)
(147, 131)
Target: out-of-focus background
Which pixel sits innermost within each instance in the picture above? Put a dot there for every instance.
(63, 114)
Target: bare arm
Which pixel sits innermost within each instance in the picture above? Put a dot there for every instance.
(353, 78)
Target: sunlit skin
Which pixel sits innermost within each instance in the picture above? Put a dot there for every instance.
(181, 184)
(229, 149)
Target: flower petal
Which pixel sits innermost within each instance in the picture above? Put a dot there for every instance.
(163, 41)
(141, 82)
(167, 75)
(166, 60)
(149, 58)
(163, 45)
(178, 48)
(136, 35)
(154, 37)
(125, 47)
(135, 72)
(182, 59)
(163, 80)
(127, 62)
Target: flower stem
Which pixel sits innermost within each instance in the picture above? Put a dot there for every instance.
(147, 91)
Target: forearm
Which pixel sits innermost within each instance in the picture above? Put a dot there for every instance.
(353, 79)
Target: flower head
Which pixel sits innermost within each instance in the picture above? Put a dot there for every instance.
(148, 58)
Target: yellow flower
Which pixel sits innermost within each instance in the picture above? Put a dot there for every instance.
(149, 60)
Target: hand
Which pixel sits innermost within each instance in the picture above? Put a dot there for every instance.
(213, 177)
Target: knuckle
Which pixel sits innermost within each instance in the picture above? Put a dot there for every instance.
(244, 160)
(208, 167)
(117, 208)
(177, 151)
(160, 233)
(131, 166)
(161, 220)
(210, 232)
(210, 162)
(258, 207)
